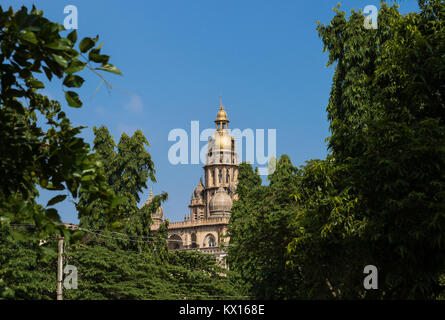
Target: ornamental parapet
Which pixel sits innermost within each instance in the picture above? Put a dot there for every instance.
(212, 250)
(204, 222)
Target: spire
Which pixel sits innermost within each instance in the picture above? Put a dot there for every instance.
(150, 198)
(221, 106)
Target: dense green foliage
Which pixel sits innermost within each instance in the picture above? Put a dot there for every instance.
(107, 272)
(379, 197)
(39, 147)
(127, 167)
(259, 231)
(25, 271)
(115, 274)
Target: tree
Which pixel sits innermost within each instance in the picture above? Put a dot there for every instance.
(381, 200)
(326, 248)
(378, 198)
(50, 157)
(24, 269)
(128, 166)
(108, 272)
(260, 230)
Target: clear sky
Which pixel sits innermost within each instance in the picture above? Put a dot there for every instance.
(178, 56)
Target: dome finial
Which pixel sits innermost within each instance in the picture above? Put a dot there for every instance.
(221, 115)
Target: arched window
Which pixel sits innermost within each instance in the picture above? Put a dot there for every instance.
(227, 176)
(175, 242)
(209, 241)
(220, 176)
(194, 243)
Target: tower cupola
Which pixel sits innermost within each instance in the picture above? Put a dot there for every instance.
(221, 117)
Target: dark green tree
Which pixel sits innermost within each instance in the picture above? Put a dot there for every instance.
(108, 272)
(25, 271)
(127, 167)
(50, 156)
(381, 198)
(260, 230)
(327, 250)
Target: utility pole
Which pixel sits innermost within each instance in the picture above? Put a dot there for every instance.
(59, 268)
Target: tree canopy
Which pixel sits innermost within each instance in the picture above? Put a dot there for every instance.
(259, 228)
(378, 197)
(387, 120)
(39, 146)
(107, 270)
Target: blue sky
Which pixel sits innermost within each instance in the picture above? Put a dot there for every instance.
(177, 57)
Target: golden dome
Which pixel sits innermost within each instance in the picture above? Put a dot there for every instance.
(221, 115)
(220, 141)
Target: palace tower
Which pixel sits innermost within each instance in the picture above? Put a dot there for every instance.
(205, 227)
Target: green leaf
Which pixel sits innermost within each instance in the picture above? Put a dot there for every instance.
(28, 36)
(87, 178)
(86, 44)
(52, 214)
(60, 60)
(60, 44)
(73, 99)
(77, 236)
(75, 66)
(43, 183)
(95, 56)
(116, 225)
(73, 36)
(48, 73)
(73, 81)
(17, 106)
(118, 200)
(110, 68)
(55, 186)
(56, 199)
(99, 58)
(36, 84)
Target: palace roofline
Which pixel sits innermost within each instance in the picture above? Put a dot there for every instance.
(190, 223)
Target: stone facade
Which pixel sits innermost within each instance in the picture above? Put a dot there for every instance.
(205, 227)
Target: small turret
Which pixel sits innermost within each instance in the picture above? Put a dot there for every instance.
(158, 215)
